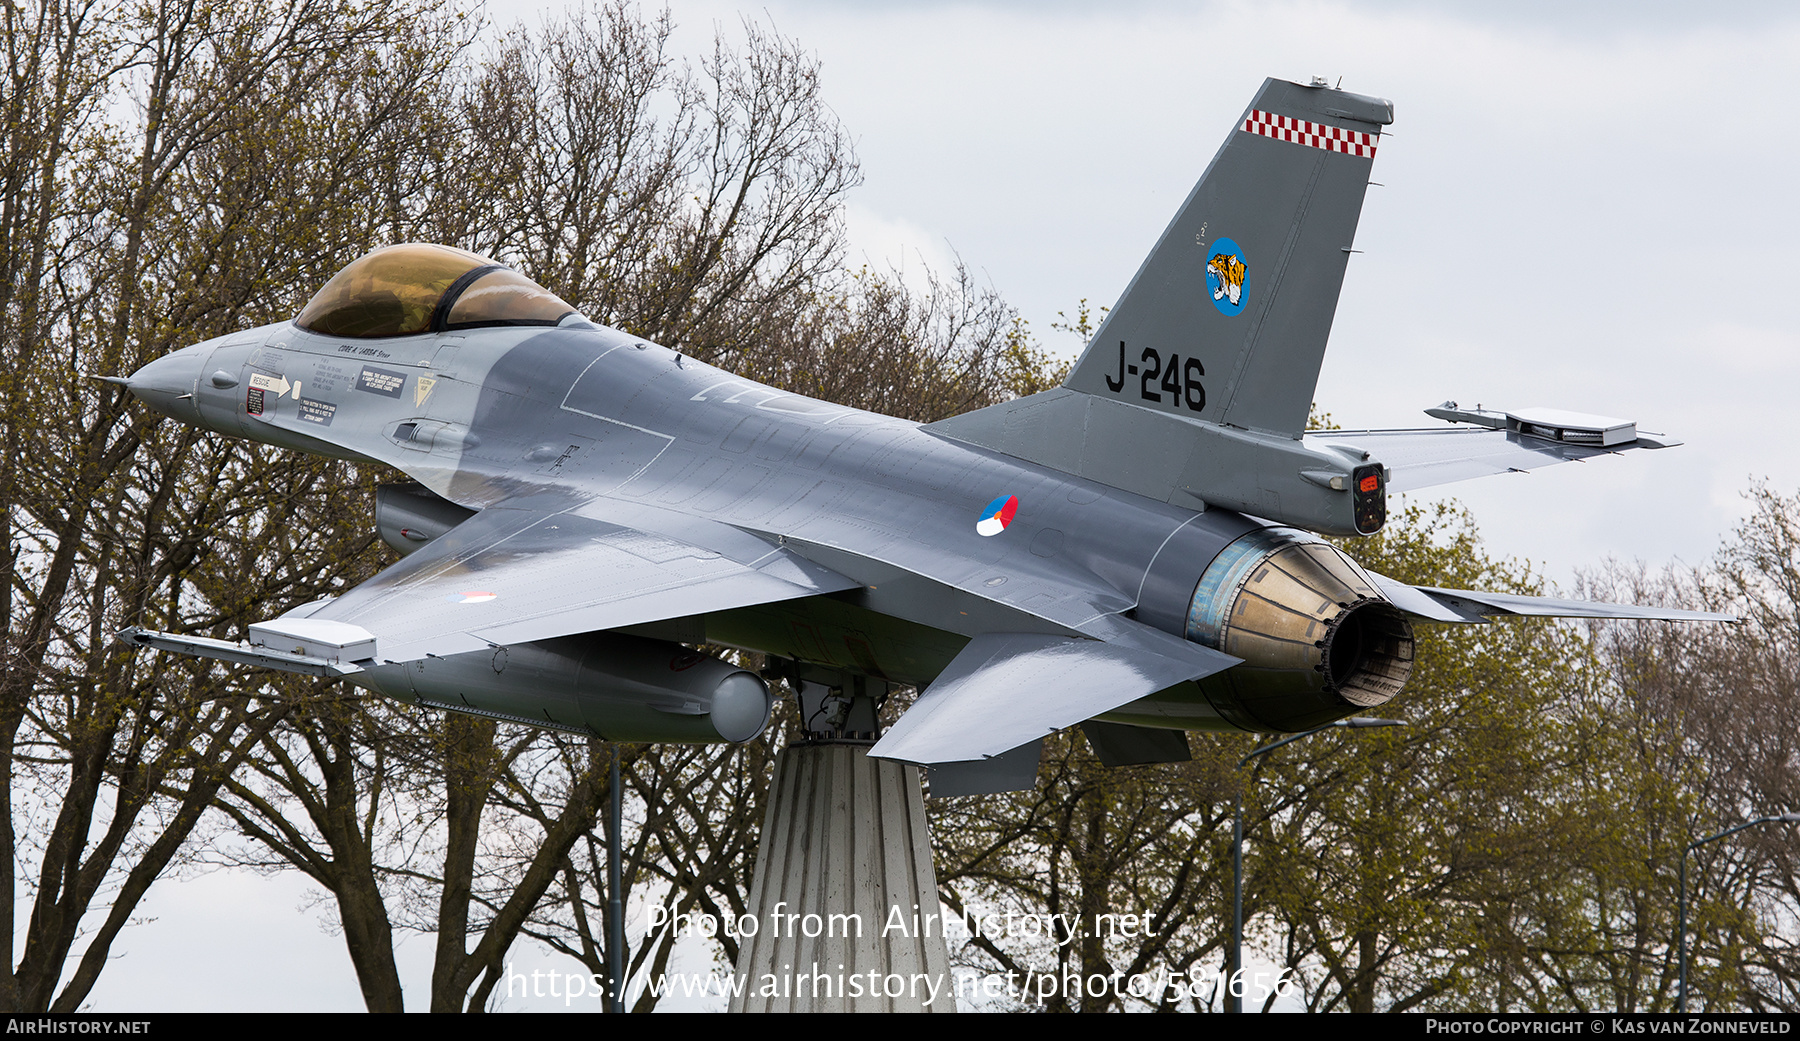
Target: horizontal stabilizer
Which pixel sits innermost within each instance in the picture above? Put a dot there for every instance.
(1461, 605)
(1492, 443)
(1489, 604)
(1005, 689)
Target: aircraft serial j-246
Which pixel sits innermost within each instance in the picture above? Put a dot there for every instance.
(1134, 551)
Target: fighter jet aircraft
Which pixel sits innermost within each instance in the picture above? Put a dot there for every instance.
(1136, 551)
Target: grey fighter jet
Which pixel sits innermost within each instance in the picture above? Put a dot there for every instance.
(1136, 551)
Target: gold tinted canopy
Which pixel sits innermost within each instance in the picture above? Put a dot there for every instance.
(418, 288)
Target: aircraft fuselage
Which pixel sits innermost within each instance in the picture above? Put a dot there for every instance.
(546, 416)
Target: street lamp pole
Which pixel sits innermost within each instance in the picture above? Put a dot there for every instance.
(1681, 901)
(1234, 986)
(615, 904)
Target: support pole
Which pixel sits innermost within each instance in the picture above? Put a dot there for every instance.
(1681, 989)
(1234, 963)
(615, 906)
(844, 845)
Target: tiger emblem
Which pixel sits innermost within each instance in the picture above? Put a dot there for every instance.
(1228, 277)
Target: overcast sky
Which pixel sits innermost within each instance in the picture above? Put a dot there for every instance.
(1589, 210)
(1585, 206)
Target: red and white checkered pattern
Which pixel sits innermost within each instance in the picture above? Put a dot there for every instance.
(1315, 135)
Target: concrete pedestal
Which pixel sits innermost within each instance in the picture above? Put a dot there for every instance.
(843, 889)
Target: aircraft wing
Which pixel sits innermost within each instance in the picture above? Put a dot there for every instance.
(511, 575)
(1461, 605)
(1494, 443)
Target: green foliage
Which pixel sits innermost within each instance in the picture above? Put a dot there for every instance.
(1513, 847)
(1088, 845)
(1402, 863)
(1082, 325)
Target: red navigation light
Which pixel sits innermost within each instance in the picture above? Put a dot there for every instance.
(1369, 501)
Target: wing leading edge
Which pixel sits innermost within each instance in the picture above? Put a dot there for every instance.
(509, 576)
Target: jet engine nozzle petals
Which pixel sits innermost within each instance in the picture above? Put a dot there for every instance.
(1317, 635)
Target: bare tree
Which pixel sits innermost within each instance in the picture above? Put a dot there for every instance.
(924, 354)
(701, 208)
(1718, 705)
(1125, 864)
(683, 206)
(120, 243)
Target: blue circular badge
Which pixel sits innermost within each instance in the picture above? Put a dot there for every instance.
(1227, 277)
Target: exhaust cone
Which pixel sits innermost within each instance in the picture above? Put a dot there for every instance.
(1318, 639)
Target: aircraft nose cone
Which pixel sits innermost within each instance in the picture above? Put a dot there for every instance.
(167, 385)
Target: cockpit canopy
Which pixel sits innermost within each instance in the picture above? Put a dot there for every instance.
(420, 288)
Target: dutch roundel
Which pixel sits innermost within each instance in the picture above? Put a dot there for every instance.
(479, 597)
(998, 515)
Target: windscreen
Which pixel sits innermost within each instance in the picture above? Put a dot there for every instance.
(390, 292)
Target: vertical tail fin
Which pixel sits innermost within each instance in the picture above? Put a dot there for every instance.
(1228, 317)
(1197, 386)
